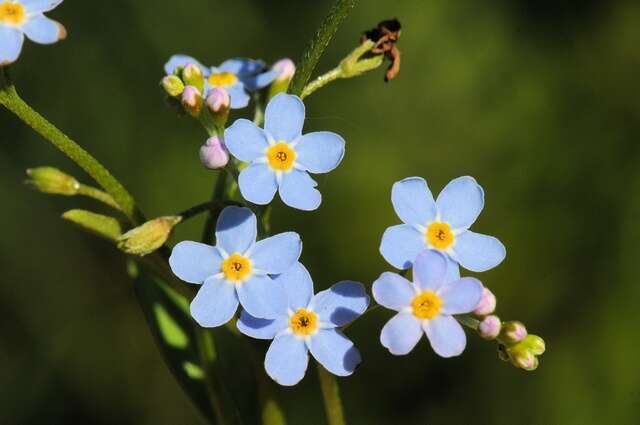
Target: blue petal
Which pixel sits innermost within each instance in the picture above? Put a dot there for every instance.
(401, 334)
(430, 270)
(297, 190)
(236, 230)
(446, 336)
(297, 285)
(261, 328)
(284, 117)
(258, 184)
(393, 291)
(278, 253)
(340, 304)
(194, 262)
(461, 296)
(460, 202)
(256, 82)
(245, 140)
(215, 303)
(238, 95)
(477, 252)
(413, 202)
(453, 270)
(241, 66)
(43, 30)
(176, 61)
(320, 152)
(262, 298)
(401, 245)
(335, 352)
(35, 6)
(287, 359)
(11, 41)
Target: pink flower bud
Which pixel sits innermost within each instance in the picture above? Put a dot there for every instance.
(218, 100)
(214, 154)
(192, 100)
(489, 327)
(487, 303)
(286, 68)
(513, 332)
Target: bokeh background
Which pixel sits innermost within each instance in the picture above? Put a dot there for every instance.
(539, 100)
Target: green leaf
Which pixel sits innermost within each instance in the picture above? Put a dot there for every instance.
(101, 225)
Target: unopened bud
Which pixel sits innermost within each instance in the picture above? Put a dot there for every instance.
(172, 85)
(192, 100)
(513, 332)
(218, 101)
(522, 358)
(487, 303)
(285, 68)
(148, 237)
(192, 76)
(535, 344)
(489, 327)
(53, 181)
(214, 154)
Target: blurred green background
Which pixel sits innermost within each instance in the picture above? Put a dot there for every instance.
(539, 100)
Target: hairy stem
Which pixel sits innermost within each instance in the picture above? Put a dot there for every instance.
(331, 396)
(321, 81)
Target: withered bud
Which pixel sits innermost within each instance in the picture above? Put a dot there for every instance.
(386, 35)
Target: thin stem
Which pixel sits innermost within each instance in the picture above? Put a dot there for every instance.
(204, 207)
(319, 43)
(218, 195)
(98, 195)
(321, 81)
(331, 396)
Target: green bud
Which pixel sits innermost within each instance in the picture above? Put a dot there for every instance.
(356, 63)
(192, 76)
(172, 85)
(512, 332)
(98, 224)
(535, 344)
(523, 358)
(148, 237)
(53, 181)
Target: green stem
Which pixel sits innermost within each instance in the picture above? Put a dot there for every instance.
(206, 206)
(218, 195)
(319, 43)
(98, 195)
(321, 81)
(331, 396)
(10, 99)
(468, 321)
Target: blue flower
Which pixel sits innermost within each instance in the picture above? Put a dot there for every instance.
(281, 157)
(426, 305)
(236, 270)
(308, 323)
(441, 225)
(25, 17)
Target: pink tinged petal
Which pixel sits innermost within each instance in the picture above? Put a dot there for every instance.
(412, 201)
(284, 117)
(461, 296)
(393, 291)
(446, 336)
(287, 359)
(477, 252)
(11, 41)
(298, 190)
(460, 202)
(35, 6)
(401, 334)
(194, 262)
(430, 270)
(320, 152)
(43, 30)
(215, 303)
(335, 352)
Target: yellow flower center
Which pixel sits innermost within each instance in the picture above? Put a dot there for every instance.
(303, 322)
(222, 79)
(236, 268)
(12, 13)
(281, 156)
(439, 235)
(426, 305)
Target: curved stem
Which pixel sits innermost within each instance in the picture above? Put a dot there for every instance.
(331, 396)
(321, 81)
(98, 195)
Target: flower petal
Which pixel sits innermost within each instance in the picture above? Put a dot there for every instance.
(215, 303)
(335, 352)
(298, 190)
(460, 202)
(284, 117)
(238, 96)
(36, 6)
(287, 359)
(393, 291)
(260, 328)
(320, 152)
(256, 82)
(258, 184)
(11, 41)
(430, 270)
(194, 262)
(278, 253)
(297, 285)
(401, 334)
(245, 140)
(453, 271)
(401, 244)
(176, 61)
(446, 336)
(478, 252)
(413, 202)
(236, 230)
(241, 66)
(461, 296)
(261, 297)
(340, 304)
(43, 30)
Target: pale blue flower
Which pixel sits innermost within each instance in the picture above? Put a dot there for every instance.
(26, 17)
(280, 158)
(308, 322)
(442, 225)
(236, 270)
(426, 305)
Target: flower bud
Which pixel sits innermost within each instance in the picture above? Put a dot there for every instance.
(489, 327)
(487, 303)
(192, 76)
(98, 224)
(522, 358)
(218, 100)
(535, 344)
(148, 237)
(192, 100)
(513, 332)
(285, 68)
(214, 154)
(53, 181)
(172, 85)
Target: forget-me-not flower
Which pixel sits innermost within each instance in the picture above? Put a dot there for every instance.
(308, 322)
(26, 17)
(426, 305)
(280, 158)
(236, 270)
(441, 225)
